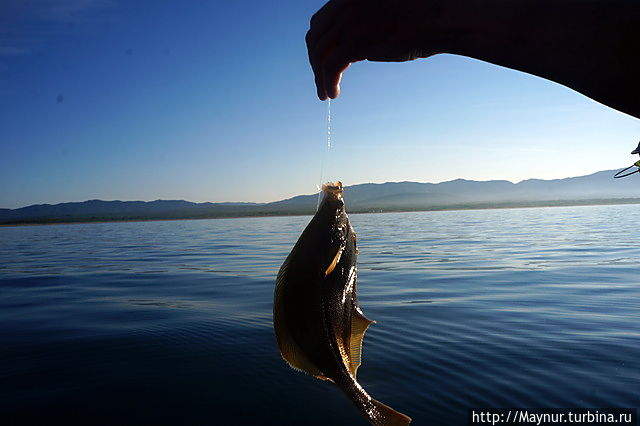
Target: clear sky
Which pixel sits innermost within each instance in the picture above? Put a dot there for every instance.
(214, 101)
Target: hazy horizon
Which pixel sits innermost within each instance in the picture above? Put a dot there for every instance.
(287, 196)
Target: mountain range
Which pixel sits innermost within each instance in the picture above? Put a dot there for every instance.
(597, 188)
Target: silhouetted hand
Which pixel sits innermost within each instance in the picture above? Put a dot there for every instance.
(590, 46)
(347, 31)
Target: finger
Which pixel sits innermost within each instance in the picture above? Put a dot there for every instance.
(318, 76)
(318, 55)
(322, 23)
(324, 18)
(336, 63)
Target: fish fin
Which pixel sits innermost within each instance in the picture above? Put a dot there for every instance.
(359, 325)
(387, 416)
(334, 262)
(291, 353)
(289, 349)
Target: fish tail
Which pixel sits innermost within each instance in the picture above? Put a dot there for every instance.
(379, 414)
(387, 416)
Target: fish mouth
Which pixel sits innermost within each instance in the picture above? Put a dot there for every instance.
(333, 190)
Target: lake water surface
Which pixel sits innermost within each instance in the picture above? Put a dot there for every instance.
(153, 323)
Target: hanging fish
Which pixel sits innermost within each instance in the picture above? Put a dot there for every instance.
(318, 323)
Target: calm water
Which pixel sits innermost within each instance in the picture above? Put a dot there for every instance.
(170, 322)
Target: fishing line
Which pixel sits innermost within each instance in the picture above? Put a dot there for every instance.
(326, 152)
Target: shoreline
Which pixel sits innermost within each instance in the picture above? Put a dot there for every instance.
(479, 206)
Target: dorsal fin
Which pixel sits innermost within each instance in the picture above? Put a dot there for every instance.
(359, 325)
(289, 349)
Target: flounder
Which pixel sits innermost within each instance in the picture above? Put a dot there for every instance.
(318, 323)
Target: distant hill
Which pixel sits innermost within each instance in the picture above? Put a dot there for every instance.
(597, 188)
(98, 210)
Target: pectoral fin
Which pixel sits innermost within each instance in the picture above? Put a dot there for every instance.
(359, 325)
(334, 262)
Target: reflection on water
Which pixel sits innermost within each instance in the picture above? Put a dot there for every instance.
(170, 322)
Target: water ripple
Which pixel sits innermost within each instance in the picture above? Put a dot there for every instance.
(170, 322)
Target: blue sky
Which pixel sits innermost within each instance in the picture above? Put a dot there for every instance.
(214, 101)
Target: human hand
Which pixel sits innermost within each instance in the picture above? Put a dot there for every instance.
(347, 31)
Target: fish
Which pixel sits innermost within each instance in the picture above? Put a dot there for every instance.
(318, 323)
